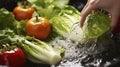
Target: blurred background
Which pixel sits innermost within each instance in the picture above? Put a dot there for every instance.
(10, 4)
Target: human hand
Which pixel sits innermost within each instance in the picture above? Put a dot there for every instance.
(111, 6)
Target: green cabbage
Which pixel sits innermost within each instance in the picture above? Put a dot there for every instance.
(95, 25)
(63, 22)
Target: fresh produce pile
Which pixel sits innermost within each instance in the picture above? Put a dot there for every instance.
(29, 30)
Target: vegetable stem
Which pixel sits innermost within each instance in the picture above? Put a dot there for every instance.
(37, 19)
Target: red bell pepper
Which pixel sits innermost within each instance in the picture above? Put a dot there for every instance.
(13, 58)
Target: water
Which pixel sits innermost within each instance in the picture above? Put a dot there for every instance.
(92, 54)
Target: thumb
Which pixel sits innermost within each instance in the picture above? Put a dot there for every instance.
(84, 14)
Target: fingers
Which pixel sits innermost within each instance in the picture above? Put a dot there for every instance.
(85, 5)
(84, 14)
(95, 4)
(86, 10)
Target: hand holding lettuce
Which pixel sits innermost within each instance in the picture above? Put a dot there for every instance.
(96, 24)
(94, 32)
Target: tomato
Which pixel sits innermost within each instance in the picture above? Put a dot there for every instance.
(13, 58)
(23, 12)
(117, 28)
(39, 27)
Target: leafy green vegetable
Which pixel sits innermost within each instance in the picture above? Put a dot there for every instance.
(47, 12)
(13, 33)
(7, 20)
(61, 25)
(63, 22)
(46, 3)
(95, 25)
(48, 8)
(71, 13)
(34, 49)
(41, 3)
(60, 3)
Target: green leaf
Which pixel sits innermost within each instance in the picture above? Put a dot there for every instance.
(63, 22)
(7, 20)
(96, 24)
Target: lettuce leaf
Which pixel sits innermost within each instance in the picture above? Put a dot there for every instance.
(63, 22)
(46, 3)
(47, 12)
(8, 21)
(95, 25)
(48, 8)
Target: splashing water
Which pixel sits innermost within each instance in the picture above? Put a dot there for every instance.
(91, 54)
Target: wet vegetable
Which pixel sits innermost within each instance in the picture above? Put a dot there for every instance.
(48, 8)
(95, 25)
(12, 58)
(23, 12)
(38, 27)
(63, 22)
(35, 50)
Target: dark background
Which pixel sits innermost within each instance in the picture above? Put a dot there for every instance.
(10, 4)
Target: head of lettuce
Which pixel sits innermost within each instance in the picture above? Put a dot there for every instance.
(95, 25)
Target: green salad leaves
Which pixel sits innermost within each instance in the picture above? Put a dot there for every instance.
(7, 20)
(96, 24)
(63, 22)
(48, 8)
